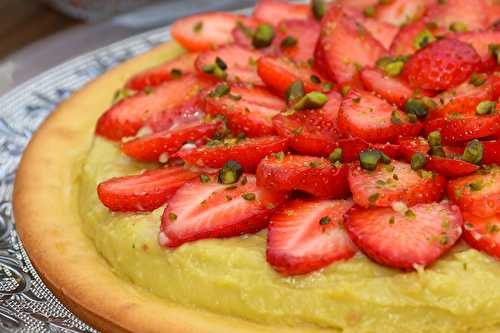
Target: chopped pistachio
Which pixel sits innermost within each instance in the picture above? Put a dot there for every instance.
(315, 79)
(392, 220)
(263, 36)
(372, 198)
(327, 87)
(204, 178)
(314, 164)
(395, 119)
(198, 27)
(473, 152)
(324, 220)
(476, 185)
(220, 90)
(175, 73)
(288, 41)
(458, 27)
(410, 214)
(297, 131)
(318, 8)
(220, 63)
(230, 172)
(172, 216)
(418, 161)
(369, 159)
(294, 92)
(477, 79)
(121, 94)
(495, 51)
(423, 39)
(437, 151)
(434, 139)
(412, 118)
(248, 196)
(336, 155)
(486, 107)
(369, 11)
(312, 100)
(416, 107)
(344, 90)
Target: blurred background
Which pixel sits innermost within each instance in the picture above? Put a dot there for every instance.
(36, 35)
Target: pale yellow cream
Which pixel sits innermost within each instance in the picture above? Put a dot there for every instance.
(460, 293)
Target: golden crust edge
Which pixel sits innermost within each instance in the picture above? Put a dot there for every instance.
(64, 257)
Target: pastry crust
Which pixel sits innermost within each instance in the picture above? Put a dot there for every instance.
(47, 220)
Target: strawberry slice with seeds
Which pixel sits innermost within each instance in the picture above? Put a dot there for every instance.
(471, 14)
(311, 132)
(247, 152)
(351, 147)
(240, 64)
(478, 194)
(127, 116)
(464, 128)
(480, 41)
(483, 234)
(207, 209)
(279, 73)
(441, 65)
(392, 89)
(151, 148)
(313, 175)
(416, 237)
(373, 119)
(144, 192)
(401, 12)
(169, 70)
(346, 45)
(275, 11)
(304, 32)
(203, 32)
(408, 39)
(306, 235)
(394, 182)
(249, 110)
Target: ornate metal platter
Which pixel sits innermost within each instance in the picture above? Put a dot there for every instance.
(26, 305)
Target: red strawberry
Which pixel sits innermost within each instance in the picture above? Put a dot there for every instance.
(373, 119)
(483, 234)
(275, 11)
(472, 13)
(441, 65)
(201, 210)
(314, 175)
(480, 41)
(248, 152)
(169, 70)
(251, 114)
(406, 41)
(144, 192)
(307, 235)
(152, 147)
(357, 4)
(205, 31)
(351, 147)
(392, 89)
(306, 33)
(240, 63)
(491, 153)
(311, 132)
(416, 237)
(401, 12)
(390, 183)
(410, 146)
(279, 73)
(346, 45)
(478, 194)
(126, 117)
(464, 128)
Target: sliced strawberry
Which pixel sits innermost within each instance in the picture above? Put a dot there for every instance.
(126, 117)
(416, 237)
(144, 192)
(461, 100)
(478, 194)
(200, 210)
(404, 43)
(483, 234)
(441, 65)
(306, 235)
(248, 152)
(392, 183)
(472, 13)
(313, 175)
(279, 73)
(152, 147)
(240, 63)
(311, 132)
(306, 33)
(382, 31)
(250, 112)
(357, 4)
(410, 146)
(351, 147)
(371, 118)
(401, 12)
(464, 128)
(346, 45)
(392, 89)
(480, 41)
(169, 70)
(275, 11)
(205, 31)
(491, 152)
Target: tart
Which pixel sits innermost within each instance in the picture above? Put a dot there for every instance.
(319, 168)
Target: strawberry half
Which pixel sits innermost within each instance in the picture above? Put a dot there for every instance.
(483, 234)
(205, 31)
(151, 148)
(416, 237)
(200, 210)
(144, 192)
(275, 11)
(478, 194)
(394, 182)
(240, 64)
(313, 175)
(311, 132)
(441, 65)
(249, 110)
(464, 128)
(126, 117)
(346, 45)
(471, 13)
(392, 89)
(373, 119)
(305, 32)
(480, 41)
(306, 235)
(248, 152)
(169, 70)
